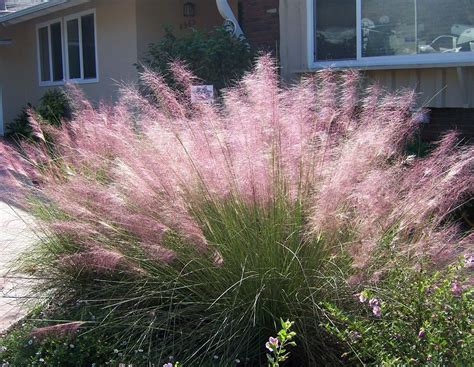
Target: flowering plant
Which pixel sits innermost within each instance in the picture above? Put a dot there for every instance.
(427, 319)
(188, 227)
(277, 346)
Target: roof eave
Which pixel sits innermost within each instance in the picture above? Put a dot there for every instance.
(38, 11)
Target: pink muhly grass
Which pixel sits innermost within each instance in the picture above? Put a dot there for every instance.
(137, 171)
(69, 329)
(34, 121)
(98, 260)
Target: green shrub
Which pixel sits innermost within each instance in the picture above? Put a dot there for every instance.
(215, 58)
(21, 348)
(422, 320)
(54, 106)
(20, 127)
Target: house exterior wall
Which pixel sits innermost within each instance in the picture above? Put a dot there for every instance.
(444, 119)
(116, 27)
(260, 23)
(153, 16)
(441, 87)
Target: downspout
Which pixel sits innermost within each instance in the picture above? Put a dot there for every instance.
(226, 12)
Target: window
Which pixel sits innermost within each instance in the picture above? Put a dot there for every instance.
(73, 49)
(80, 40)
(50, 53)
(397, 32)
(67, 50)
(335, 29)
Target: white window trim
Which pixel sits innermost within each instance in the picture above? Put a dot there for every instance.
(38, 27)
(65, 54)
(79, 16)
(380, 62)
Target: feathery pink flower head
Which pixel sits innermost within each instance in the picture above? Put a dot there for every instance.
(60, 330)
(98, 259)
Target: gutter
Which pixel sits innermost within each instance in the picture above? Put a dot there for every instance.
(38, 11)
(226, 12)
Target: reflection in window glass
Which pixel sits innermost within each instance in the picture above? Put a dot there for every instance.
(73, 49)
(388, 27)
(445, 26)
(56, 51)
(88, 46)
(43, 40)
(335, 28)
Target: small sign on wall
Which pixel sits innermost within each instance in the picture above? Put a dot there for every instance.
(202, 94)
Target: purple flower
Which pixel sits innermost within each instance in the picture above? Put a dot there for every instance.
(374, 302)
(456, 288)
(168, 364)
(421, 333)
(272, 344)
(377, 311)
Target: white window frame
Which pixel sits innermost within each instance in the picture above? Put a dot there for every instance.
(380, 62)
(65, 51)
(79, 16)
(47, 24)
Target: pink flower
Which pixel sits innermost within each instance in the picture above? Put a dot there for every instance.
(377, 311)
(374, 302)
(456, 288)
(272, 344)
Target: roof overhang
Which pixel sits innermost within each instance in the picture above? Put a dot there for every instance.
(39, 10)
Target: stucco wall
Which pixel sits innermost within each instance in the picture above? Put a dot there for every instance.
(154, 15)
(125, 28)
(436, 86)
(116, 50)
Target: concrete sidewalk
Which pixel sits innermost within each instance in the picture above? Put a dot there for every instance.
(16, 236)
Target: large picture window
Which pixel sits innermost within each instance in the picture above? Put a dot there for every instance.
(67, 50)
(378, 32)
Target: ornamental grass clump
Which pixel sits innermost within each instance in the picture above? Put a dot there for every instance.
(188, 229)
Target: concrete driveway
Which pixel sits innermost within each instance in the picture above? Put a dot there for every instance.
(16, 236)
